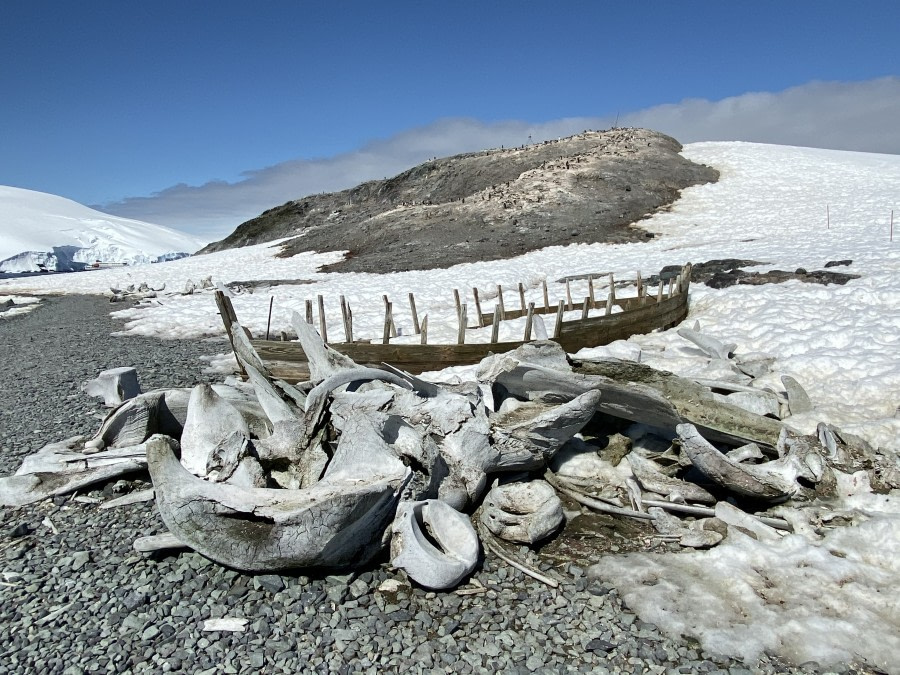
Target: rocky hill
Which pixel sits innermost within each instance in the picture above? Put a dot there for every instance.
(487, 205)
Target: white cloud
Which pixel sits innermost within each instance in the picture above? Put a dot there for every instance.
(839, 115)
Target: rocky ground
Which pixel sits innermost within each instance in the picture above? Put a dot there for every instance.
(488, 205)
(75, 597)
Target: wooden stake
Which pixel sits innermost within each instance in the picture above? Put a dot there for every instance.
(415, 315)
(671, 286)
(591, 290)
(612, 287)
(609, 303)
(309, 312)
(569, 303)
(478, 308)
(456, 299)
(323, 330)
(640, 284)
(269, 322)
(529, 318)
(522, 295)
(423, 336)
(500, 302)
(546, 296)
(659, 290)
(389, 306)
(386, 333)
(463, 320)
(495, 327)
(557, 329)
(345, 315)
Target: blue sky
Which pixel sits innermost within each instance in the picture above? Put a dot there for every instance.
(200, 114)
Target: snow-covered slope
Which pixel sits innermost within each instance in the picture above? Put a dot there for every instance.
(36, 227)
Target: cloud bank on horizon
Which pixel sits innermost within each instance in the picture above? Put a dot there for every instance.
(858, 116)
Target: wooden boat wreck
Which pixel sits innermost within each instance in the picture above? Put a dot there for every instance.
(613, 319)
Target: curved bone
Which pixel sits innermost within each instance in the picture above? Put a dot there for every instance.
(424, 562)
(330, 524)
(213, 426)
(243, 350)
(131, 423)
(316, 397)
(323, 360)
(715, 349)
(527, 441)
(115, 385)
(652, 479)
(58, 469)
(772, 480)
(522, 512)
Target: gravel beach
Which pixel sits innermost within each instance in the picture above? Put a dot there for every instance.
(76, 598)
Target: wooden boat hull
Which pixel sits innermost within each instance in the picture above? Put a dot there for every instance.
(287, 361)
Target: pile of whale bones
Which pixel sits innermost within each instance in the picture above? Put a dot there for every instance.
(261, 475)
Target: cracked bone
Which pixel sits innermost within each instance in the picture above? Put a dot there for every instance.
(213, 431)
(798, 399)
(522, 512)
(438, 565)
(330, 524)
(59, 468)
(323, 360)
(115, 385)
(772, 481)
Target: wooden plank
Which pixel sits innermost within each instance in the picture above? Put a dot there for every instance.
(546, 296)
(612, 287)
(585, 307)
(456, 300)
(323, 328)
(591, 291)
(500, 302)
(569, 303)
(478, 308)
(389, 308)
(309, 312)
(423, 334)
(415, 316)
(659, 291)
(522, 296)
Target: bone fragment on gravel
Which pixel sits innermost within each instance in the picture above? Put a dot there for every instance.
(438, 566)
(59, 468)
(158, 542)
(131, 498)
(522, 512)
(115, 386)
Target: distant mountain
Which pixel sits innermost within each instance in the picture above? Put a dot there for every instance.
(40, 229)
(487, 205)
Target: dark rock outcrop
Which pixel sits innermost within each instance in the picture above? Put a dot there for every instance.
(487, 205)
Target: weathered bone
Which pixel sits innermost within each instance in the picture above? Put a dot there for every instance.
(116, 386)
(58, 468)
(798, 399)
(323, 360)
(331, 524)
(775, 480)
(527, 440)
(211, 426)
(715, 349)
(522, 512)
(131, 423)
(540, 371)
(652, 479)
(425, 563)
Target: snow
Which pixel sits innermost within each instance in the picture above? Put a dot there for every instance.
(826, 597)
(36, 227)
